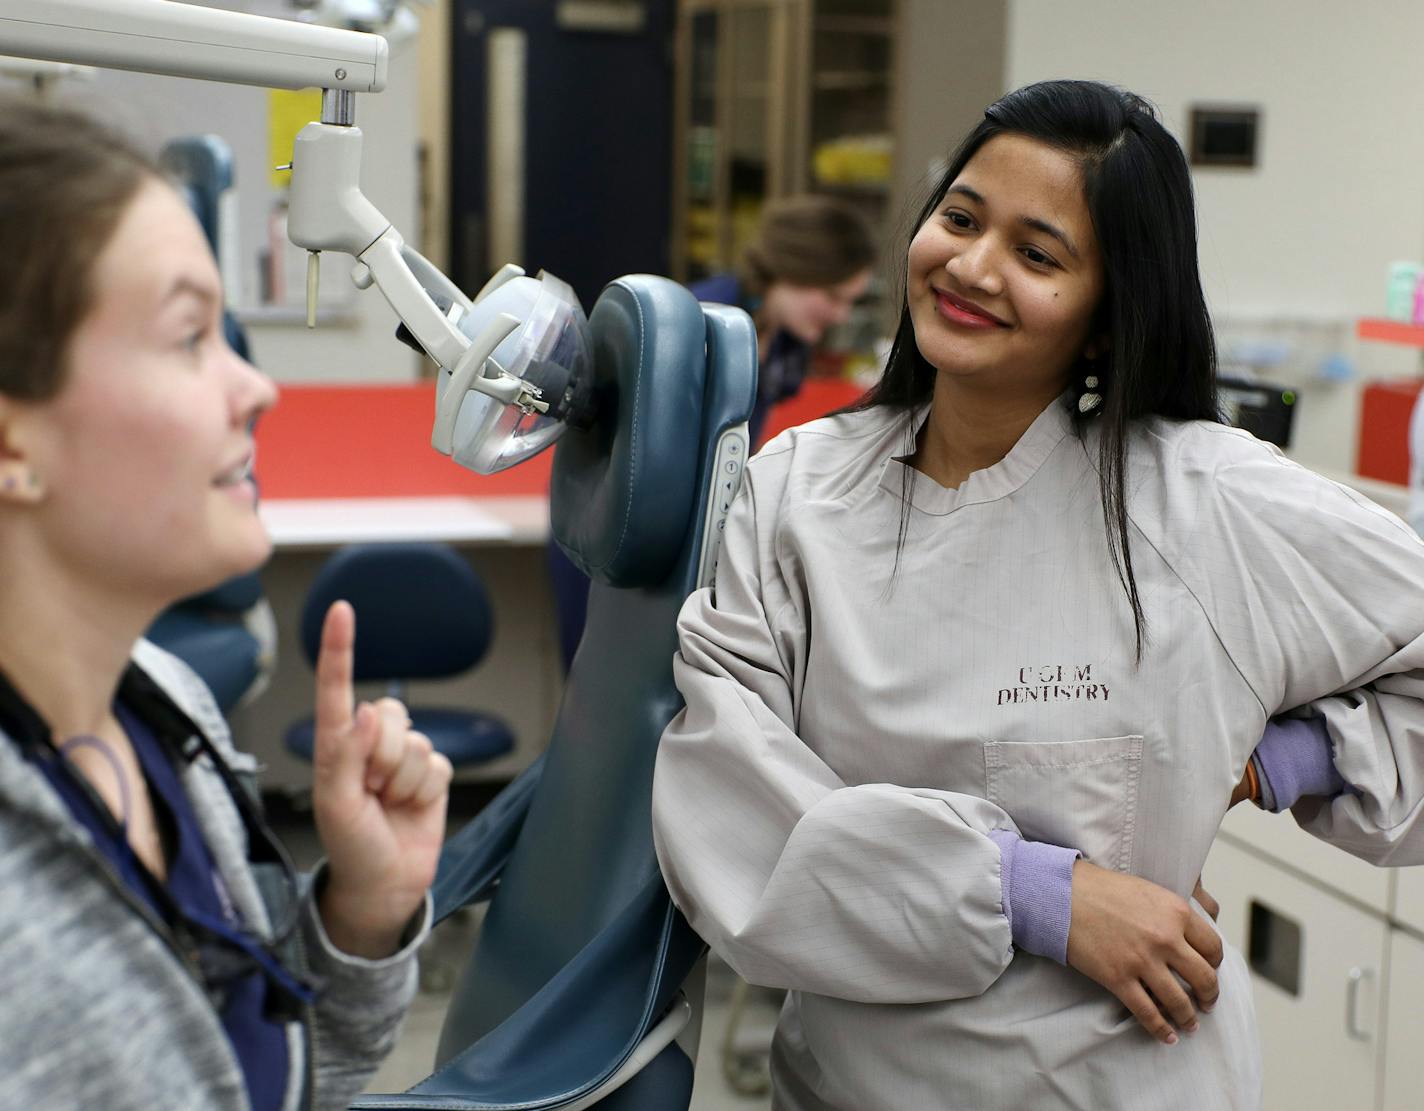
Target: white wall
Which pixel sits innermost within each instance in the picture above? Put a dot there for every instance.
(1339, 190)
(1298, 247)
(432, 50)
(949, 65)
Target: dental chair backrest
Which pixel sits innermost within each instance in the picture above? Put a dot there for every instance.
(581, 945)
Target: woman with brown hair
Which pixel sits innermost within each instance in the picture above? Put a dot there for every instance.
(809, 263)
(156, 949)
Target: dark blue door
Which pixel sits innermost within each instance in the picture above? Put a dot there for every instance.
(597, 139)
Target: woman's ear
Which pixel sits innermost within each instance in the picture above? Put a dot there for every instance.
(1096, 347)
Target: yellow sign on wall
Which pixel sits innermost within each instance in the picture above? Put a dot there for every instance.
(287, 113)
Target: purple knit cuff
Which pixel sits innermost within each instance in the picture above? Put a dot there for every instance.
(1037, 881)
(1294, 759)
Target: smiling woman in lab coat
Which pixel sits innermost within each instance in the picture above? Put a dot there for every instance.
(988, 658)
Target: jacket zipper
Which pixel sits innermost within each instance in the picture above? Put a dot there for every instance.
(187, 959)
(186, 956)
(309, 1025)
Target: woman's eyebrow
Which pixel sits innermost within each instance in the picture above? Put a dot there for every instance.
(1028, 221)
(182, 286)
(1048, 229)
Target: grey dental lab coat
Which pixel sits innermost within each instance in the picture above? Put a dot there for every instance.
(854, 731)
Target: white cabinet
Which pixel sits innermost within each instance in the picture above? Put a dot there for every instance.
(1409, 909)
(1317, 963)
(1278, 836)
(1404, 1031)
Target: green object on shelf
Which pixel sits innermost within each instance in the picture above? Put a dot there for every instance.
(701, 160)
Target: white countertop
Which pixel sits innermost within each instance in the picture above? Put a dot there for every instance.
(297, 523)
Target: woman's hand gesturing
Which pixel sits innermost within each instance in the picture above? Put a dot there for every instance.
(379, 792)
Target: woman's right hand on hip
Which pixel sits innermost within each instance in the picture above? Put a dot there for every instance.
(1136, 939)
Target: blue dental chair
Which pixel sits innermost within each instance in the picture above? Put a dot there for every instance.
(583, 987)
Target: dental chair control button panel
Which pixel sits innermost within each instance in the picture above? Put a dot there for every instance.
(727, 477)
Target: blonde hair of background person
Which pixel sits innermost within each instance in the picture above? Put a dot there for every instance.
(125, 452)
(989, 656)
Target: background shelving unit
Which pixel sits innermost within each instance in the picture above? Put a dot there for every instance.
(773, 98)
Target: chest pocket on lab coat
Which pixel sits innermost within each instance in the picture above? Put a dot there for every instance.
(1078, 794)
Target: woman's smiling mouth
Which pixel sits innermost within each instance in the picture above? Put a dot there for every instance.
(966, 313)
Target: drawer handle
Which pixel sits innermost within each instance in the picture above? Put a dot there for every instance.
(1354, 979)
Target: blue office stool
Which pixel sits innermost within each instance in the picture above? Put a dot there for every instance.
(421, 613)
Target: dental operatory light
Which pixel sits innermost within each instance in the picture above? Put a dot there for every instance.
(514, 362)
(534, 330)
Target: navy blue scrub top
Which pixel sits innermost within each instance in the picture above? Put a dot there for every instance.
(781, 373)
(197, 889)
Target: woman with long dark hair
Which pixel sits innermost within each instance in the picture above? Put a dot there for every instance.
(989, 656)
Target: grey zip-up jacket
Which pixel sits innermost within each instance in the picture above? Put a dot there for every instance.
(97, 1010)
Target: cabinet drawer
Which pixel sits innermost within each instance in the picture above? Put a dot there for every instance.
(1316, 964)
(1278, 836)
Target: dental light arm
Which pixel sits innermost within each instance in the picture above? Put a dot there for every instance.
(184, 40)
(328, 211)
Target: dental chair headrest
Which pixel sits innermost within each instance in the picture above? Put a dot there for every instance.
(624, 489)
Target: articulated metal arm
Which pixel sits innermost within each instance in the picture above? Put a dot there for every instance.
(184, 40)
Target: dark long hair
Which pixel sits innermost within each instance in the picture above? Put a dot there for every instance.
(1161, 357)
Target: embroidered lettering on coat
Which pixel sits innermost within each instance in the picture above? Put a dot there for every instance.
(1054, 683)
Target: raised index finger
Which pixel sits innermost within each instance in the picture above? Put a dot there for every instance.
(335, 697)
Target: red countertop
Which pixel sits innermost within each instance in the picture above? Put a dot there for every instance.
(365, 441)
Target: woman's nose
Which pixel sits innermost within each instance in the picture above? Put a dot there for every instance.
(976, 266)
(252, 392)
